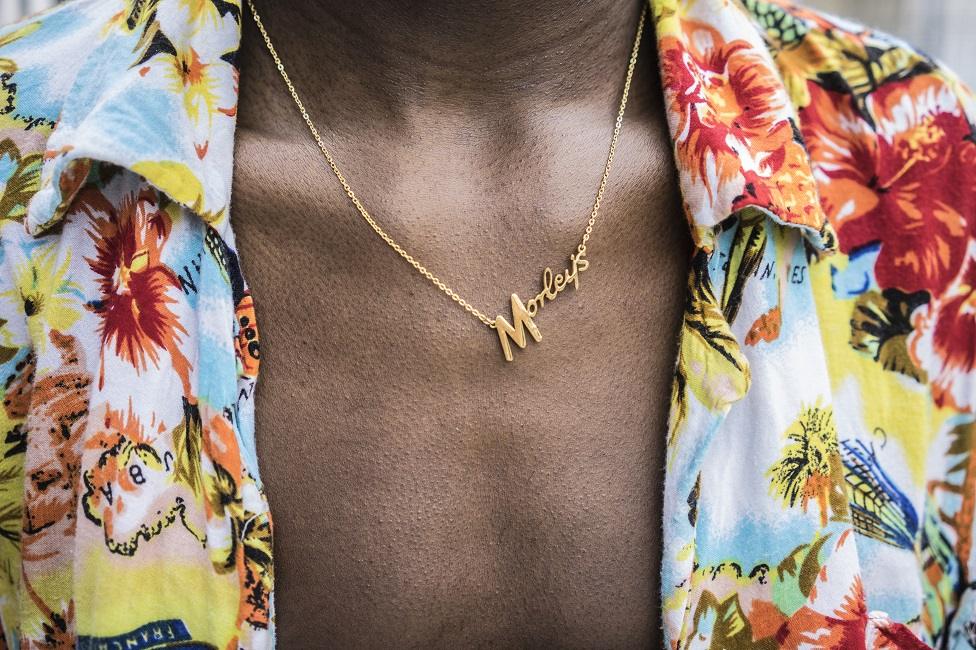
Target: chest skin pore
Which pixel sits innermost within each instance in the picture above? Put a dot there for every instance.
(426, 493)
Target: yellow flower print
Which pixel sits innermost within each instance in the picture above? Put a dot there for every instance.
(49, 298)
(202, 12)
(191, 77)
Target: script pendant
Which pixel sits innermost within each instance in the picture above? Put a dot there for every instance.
(522, 314)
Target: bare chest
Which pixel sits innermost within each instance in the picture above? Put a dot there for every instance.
(426, 492)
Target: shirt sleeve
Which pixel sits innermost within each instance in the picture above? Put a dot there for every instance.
(20, 291)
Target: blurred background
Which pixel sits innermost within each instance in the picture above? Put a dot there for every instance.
(11, 10)
(945, 29)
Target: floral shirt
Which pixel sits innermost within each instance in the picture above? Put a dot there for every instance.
(820, 485)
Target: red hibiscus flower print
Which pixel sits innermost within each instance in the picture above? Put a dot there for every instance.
(942, 343)
(907, 187)
(137, 323)
(723, 94)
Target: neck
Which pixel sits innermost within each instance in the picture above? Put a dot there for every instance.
(461, 55)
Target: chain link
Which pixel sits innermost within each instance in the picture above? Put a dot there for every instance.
(468, 307)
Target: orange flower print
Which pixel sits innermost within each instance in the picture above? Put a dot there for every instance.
(785, 181)
(910, 187)
(766, 328)
(723, 96)
(844, 627)
(137, 322)
(907, 187)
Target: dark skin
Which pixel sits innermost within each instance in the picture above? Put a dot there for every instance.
(426, 493)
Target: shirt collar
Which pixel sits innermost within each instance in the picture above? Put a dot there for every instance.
(158, 96)
(736, 140)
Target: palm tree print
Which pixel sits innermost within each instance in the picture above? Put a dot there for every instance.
(809, 461)
(20, 177)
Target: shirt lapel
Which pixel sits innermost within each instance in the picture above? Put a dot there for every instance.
(736, 141)
(746, 182)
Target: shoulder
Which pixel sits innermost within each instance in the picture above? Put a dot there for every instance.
(891, 138)
(813, 48)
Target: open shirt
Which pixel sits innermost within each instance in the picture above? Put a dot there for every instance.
(820, 481)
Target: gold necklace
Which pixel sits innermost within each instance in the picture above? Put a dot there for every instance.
(552, 284)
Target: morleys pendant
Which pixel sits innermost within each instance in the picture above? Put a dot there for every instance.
(523, 313)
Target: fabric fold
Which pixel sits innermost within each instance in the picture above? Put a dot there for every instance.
(158, 97)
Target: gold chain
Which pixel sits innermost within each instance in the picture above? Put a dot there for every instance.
(581, 248)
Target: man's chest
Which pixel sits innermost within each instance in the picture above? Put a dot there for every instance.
(423, 488)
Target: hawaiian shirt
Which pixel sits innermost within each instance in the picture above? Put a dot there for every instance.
(820, 485)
